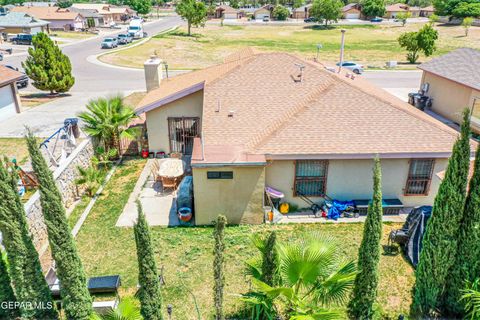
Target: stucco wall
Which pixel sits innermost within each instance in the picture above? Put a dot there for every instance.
(157, 119)
(65, 176)
(352, 179)
(449, 98)
(239, 199)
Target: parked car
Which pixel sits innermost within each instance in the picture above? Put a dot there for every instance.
(266, 19)
(1, 56)
(23, 82)
(109, 43)
(22, 38)
(376, 19)
(124, 38)
(311, 19)
(352, 66)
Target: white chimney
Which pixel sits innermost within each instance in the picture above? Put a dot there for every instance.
(153, 72)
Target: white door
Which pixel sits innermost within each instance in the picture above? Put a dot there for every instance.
(7, 103)
(353, 16)
(35, 30)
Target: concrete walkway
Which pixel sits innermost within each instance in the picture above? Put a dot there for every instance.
(159, 209)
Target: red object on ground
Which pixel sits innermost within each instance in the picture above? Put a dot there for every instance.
(145, 153)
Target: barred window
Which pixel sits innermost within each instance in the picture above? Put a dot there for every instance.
(419, 177)
(310, 177)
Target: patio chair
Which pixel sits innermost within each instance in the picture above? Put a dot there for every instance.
(169, 183)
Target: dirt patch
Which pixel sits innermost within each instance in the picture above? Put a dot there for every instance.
(35, 99)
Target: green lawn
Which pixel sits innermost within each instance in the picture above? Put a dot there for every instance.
(367, 44)
(186, 254)
(14, 148)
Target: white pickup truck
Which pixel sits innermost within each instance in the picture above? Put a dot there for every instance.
(135, 28)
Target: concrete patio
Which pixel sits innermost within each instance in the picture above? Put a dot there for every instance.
(159, 208)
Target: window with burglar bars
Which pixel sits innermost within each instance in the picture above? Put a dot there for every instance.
(310, 177)
(419, 177)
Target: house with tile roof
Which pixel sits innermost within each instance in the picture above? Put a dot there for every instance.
(110, 13)
(9, 99)
(453, 83)
(226, 12)
(273, 119)
(20, 22)
(302, 12)
(392, 11)
(59, 18)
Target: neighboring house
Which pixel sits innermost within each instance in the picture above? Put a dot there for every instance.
(19, 22)
(92, 17)
(9, 98)
(109, 12)
(415, 11)
(273, 119)
(39, 4)
(302, 12)
(352, 11)
(392, 11)
(263, 12)
(226, 12)
(427, 11)
(59, 18)
(454, 84)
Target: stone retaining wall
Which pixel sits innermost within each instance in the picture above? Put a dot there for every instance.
(65, 176)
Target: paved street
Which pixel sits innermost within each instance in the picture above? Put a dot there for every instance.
(92, 81)
(398, 83)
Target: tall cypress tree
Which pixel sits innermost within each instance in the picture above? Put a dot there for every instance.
(439, 246)
(366, 282)
(218, 266)
(149, 294)
(467, 265)
(47, 66)
(6, 292)
(77, 302)
(28, 279)
(270, 260)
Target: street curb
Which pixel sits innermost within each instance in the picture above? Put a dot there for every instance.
(94, 58)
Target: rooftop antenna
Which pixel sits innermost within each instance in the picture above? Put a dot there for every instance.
(300, 67)
(342, 46)
(319, 46)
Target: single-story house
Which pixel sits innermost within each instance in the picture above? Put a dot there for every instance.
(352, 11)
(39, 3)
(391, 11)
(427, 11)
(302, 12)
(453, 82)
(110, 13)
(19, 22)
(9, 99)
(274, 119)
(59, 18)
(263, 12)
(226, 12)
(92, 17)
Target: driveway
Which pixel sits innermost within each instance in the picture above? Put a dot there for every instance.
(399, 83)
(91, 81)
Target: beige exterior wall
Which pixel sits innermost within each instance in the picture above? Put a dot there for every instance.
(450, 98)
(239, 199)
(157, 119)
(352, 179)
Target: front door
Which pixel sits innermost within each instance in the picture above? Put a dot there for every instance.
(181, 132)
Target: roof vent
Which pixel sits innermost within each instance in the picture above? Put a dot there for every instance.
(230, 113)
(218, 106)
(299, 76)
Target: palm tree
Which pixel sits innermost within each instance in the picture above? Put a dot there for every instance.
(107, 120)
(127, 310)
(314, 278)
(89, 177)
(471, 298)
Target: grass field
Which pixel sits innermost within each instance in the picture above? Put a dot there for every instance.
(186, 254)
(368, 44)
(14, 148)
(73, 35)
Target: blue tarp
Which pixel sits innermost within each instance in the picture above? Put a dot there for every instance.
(337, 208)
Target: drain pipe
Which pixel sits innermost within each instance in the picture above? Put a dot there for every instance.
(342, 46)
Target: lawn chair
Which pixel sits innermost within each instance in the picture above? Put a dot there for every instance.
(169, 183)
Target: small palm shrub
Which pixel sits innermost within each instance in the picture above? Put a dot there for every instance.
(471, 298)
(90, 178)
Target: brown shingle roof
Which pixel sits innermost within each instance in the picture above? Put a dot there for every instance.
(461, 65)
(48, 13)
(253, 106)
(8, 75)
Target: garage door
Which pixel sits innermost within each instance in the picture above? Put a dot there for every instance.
(260, 16)
(353, 16)
(35, 30)
(7, 103)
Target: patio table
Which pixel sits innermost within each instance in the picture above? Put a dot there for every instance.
(171, 168)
